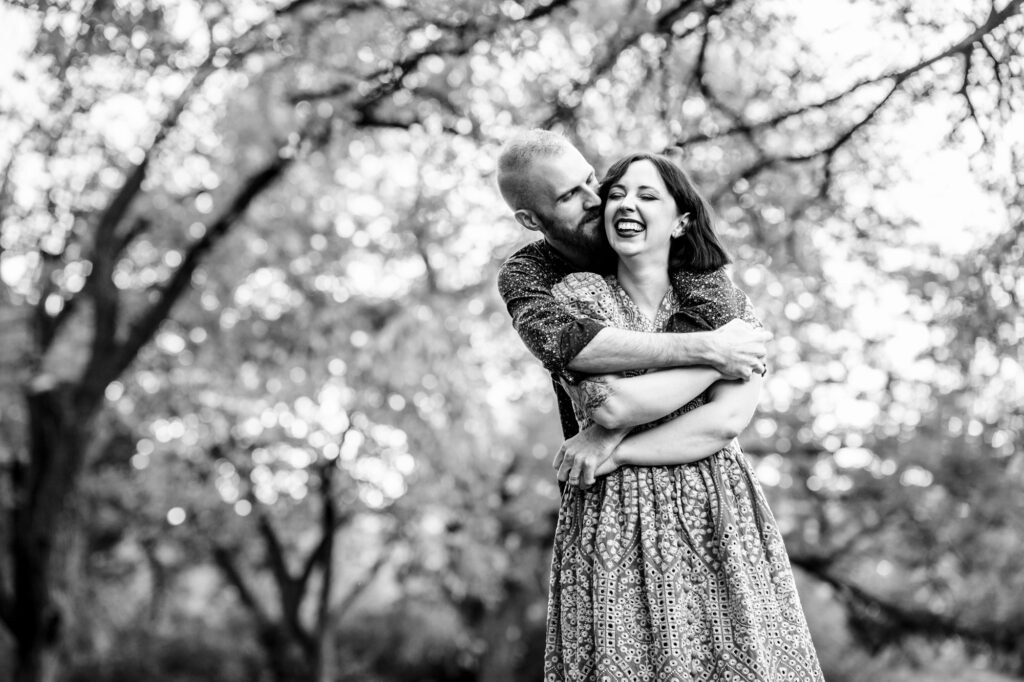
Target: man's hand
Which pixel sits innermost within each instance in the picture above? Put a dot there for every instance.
(583, 455)
(739, 349)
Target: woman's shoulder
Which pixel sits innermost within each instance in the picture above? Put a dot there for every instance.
(588, 294)
(582, 286)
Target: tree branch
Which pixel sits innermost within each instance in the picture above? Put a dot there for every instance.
(222, 557)
(104, 369)
(700, 75)
(329, 522)
(121, 201)
(964, 92)
(389, 78)
(844, 137)
(567, 103)
(370, 118)
(994, 21)
(362, 583)
(107, 246)
(276, 559)
(322, 551)
(894, 620)
(289, 590)
(293, 6)
(996, 63)
(315, 557)
(765, 162)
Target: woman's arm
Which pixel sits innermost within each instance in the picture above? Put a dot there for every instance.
(617, 402)
(699, 433)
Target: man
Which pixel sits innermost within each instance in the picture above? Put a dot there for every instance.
(552, 190)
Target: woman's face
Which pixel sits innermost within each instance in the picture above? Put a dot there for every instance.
(640, 214)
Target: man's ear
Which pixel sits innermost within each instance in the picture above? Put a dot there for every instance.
(527, 219)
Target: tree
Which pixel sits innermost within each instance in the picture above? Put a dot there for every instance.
(87, 314)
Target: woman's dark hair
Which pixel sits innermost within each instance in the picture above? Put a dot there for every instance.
(699, 249)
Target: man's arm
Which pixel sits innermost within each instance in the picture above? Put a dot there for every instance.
(547, 327)
(736, 349)
(562, 340)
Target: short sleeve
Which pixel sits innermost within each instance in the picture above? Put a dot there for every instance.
(709, 300)
(553, 332)
(588, 296)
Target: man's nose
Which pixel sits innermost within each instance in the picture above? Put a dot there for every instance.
(590, 198)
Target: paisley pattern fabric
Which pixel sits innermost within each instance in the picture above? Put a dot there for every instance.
(675, 573)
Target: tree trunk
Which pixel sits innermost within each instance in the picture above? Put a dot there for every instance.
(43, 486)
(284, 656)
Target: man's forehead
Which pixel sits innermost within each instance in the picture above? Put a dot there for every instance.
(564, 171)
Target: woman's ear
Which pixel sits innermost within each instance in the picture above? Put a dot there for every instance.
(681, 223)
(527, 219)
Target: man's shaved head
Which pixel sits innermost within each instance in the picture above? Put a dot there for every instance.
(516, 162)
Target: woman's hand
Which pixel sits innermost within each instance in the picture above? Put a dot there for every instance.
(581, 457)
(609, 465)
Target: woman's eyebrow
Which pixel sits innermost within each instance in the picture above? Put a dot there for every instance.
(619, 185)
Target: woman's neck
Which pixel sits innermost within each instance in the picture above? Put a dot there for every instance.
(645, 282)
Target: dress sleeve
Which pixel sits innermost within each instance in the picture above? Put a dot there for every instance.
(550, 330)
(586, 295)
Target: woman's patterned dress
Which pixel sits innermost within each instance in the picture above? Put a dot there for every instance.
(671, 573)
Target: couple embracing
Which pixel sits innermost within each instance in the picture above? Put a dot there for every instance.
(668, 565)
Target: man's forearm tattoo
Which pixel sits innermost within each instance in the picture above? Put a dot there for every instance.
(595, 392)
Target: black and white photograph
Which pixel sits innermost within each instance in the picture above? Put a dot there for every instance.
(511, 341)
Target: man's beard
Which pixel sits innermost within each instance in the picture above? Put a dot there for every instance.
(589, 234)
(590, 241)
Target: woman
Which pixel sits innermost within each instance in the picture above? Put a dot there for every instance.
(666, 569)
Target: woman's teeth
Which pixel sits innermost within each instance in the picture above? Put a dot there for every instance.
(628, 227)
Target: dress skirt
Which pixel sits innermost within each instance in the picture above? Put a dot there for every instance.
(674, 574)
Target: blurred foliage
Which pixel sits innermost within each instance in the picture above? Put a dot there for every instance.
(256, 243)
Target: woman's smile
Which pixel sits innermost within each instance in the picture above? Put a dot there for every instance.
(628, 227)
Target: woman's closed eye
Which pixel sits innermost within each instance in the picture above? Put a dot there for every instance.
(621, 194)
